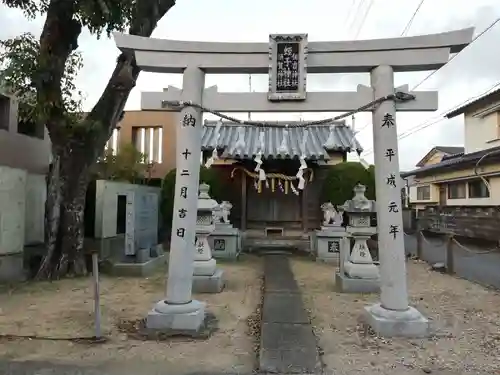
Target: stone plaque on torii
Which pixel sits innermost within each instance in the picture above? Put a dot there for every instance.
(381, 58)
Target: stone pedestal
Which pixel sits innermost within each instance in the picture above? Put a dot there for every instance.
(357, 272)
(328, 243)
(206, 277)
(186, 319)
(394, 323)
(225, 242)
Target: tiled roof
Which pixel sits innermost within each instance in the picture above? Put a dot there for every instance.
(316, 147)
(458, 154)
(458, 161)
(452, 150)
(463, 108)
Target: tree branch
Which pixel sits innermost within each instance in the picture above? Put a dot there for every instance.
(108, 110)
(59, 38)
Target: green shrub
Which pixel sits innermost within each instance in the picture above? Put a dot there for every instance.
(207, 176)
(341, 179)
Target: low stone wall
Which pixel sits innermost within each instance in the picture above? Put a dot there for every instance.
(481, 222)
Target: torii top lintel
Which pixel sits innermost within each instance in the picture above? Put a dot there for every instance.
(415, 53)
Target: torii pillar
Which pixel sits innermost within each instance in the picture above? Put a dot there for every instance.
(178, 312)
(392, 316)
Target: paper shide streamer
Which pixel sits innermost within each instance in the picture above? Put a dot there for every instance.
(215, 155)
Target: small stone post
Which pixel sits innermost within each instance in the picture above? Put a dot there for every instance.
(392, 316)
(207, 278)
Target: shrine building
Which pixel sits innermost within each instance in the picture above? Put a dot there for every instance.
(275, 208)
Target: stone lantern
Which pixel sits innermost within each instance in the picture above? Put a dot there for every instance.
(357, 271)
(207, 278)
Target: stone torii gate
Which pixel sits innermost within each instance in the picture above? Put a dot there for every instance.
(287, 59)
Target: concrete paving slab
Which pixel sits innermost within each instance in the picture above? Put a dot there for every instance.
(288, 344)
(284, 308)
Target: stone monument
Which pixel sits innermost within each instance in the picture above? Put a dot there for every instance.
(331, 238)
(357, 272)
(207, 278)
(225, 239)
(126, 228)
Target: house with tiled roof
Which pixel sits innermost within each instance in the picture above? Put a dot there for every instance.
(463, 176)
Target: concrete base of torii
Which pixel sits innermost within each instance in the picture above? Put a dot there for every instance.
(392, 323)
(184, 319)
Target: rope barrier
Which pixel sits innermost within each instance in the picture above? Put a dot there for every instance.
(463, 247)
(429, 242)
(460, 245)
(398, 96)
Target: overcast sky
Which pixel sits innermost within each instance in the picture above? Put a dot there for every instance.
(473, 71)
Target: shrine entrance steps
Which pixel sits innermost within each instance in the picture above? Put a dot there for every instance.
(258, 241)
(287, 341)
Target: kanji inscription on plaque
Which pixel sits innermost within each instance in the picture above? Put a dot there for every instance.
(287, 67)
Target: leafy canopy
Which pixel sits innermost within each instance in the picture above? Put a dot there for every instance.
(207, 176)
(19, 56)
(96, 15)
(18, 65)
(128, 164)
(341, 179)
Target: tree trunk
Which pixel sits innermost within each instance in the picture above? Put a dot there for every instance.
(75, 153)
(64, 225)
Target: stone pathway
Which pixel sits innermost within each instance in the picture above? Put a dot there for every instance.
(288, 344)
(47, 368)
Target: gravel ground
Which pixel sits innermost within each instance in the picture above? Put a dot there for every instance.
(466, 316)
(65, 309)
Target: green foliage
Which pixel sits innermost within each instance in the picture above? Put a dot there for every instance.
(97, 15)
(128, 164)
(338, 185)
(18, 65)
(208, 176)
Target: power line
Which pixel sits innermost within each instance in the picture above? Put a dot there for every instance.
(364, 19)
(439, 118)
(408, 25)
(458, 53)
(358, 8)
(349, 13)
(435, 71)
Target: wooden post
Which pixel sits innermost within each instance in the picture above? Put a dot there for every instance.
(243, 201)
(419, 242)
(449, 256)
(97, 304)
